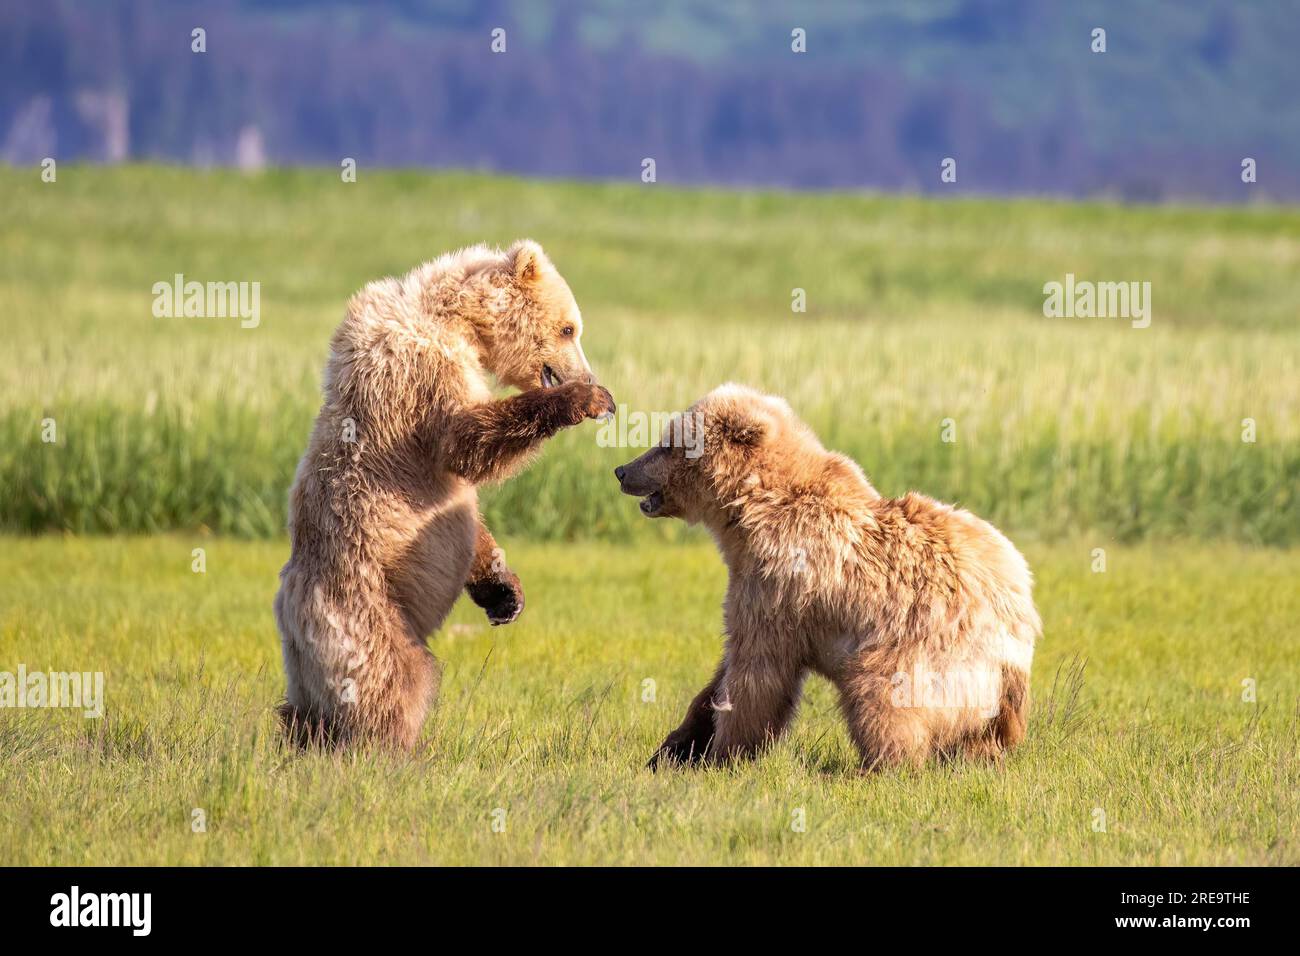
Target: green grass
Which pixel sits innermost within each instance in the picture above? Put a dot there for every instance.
(918, 311)
(545, 720)
(1071, 435)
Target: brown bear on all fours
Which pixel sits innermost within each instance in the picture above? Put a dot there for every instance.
(383, 514)
(920, 614)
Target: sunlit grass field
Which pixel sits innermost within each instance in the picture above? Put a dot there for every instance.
(918, 312)
(1148, 755)
(1166, 687)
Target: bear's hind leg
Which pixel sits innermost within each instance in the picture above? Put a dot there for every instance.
(885, 734)
(1013, 713)
(391, 694)
(303, 723)
(399, 716)
(356, 672)
(995, 737)
(305, 729)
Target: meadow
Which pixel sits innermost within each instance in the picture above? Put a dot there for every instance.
(920, 313)
(1166, 687)
(1141, 748)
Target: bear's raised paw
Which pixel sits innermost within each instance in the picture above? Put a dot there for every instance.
(581, 400)
(501, 596)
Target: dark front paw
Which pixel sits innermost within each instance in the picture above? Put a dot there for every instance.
(601, 403)
(579, 401)
(500, 595)
(679, 749)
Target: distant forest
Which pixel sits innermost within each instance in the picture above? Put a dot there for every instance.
(712, 91)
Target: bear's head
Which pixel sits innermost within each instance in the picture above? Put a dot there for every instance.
(536, 328)
(725, 445)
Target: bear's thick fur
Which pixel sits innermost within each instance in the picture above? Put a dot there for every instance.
(383, 514)
(920, 613)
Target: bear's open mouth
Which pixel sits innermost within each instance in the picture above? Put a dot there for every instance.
(549, 378)
(651, 504)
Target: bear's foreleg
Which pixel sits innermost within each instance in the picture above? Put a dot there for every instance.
(487, 442)
(757, 698)
(491, 584)
(691, 740)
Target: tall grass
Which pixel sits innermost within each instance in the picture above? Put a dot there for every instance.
(918, 311)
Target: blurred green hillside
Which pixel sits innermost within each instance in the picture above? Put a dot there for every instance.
(918, 310)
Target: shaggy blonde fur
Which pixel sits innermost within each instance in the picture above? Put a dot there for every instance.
(920, 613)
(383, 512)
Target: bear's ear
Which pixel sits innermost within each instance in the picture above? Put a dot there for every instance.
(526, 259)
(747, 427)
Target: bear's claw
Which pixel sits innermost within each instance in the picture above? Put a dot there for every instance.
(502, 598)
(505, 612)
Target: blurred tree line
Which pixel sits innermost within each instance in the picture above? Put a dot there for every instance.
(711, 91)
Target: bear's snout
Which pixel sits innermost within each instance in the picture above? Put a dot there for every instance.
(632, 480)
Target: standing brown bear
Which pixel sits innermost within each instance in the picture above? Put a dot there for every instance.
(383, 514)
(919, 613)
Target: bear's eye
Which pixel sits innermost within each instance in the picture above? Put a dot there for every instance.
(567, 331)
